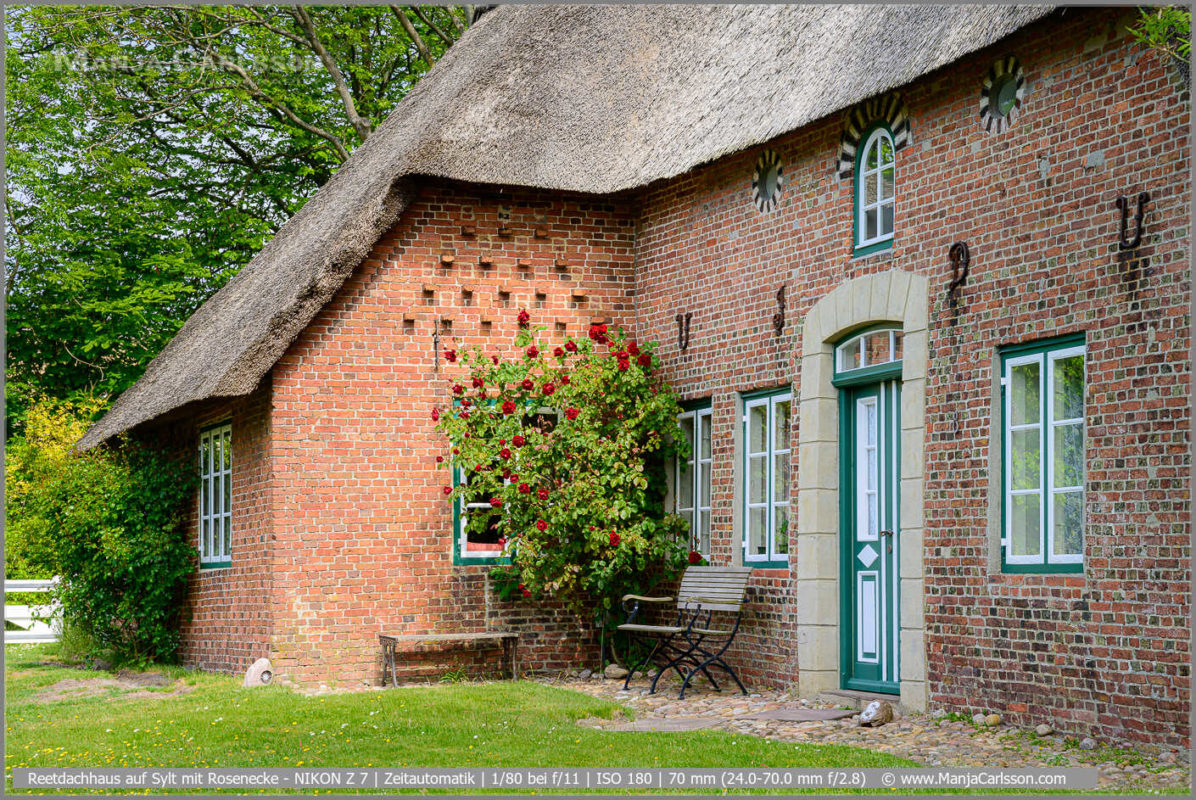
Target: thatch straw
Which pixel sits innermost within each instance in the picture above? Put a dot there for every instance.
(592, 99)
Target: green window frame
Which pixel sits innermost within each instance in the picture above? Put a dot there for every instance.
(691, 476)
(875, 208)
(1042, 455)
(215, 506)
(767, 426)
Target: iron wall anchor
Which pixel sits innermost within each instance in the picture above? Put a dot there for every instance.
(683, 330)
(1123, 206)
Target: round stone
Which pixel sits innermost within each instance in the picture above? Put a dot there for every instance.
(978, 719)
(1044, 730)
(992, 720)
(1088, 743)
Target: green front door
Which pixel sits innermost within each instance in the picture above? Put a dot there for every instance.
(871, 459)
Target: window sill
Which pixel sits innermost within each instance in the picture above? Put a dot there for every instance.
(215, 565)
(768, 566)
(466, 561)
(875, 248)
(1042, 569)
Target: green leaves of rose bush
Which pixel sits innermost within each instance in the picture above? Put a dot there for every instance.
(603, 470)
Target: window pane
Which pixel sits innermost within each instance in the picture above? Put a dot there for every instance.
(780, 426)
(1025, 459)
(228, 536)
(704, 535)
(1068, 400)
(705, 437)
(870, 182)
(781, 520)
(872, 522)
(898, 338)
(870, 157)
(205, 499)
(688, 516)
(1024, 400)
(870, 224)
(849, 355)
(877, 347)
(1069, 524)
(758, 531)
(887, 177)
(704, 489)
(205, 546)
(1025, 533)
(758, 429)
(228, 493)
(217, 536)
(227, 449)
(757, 477)
(1068, 456)
(886, 219)
(685, 487)
(780, 473)
(687, 429)
(885, 148)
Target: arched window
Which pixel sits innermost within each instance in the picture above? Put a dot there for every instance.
(875, 197)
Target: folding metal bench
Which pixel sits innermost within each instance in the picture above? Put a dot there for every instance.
(691, 641)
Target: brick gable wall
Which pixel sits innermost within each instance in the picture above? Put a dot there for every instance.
(364, 541)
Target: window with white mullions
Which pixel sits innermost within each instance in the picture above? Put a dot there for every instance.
(876, 198)
(766, 472)
(692, 477)
(1044, 457)
(215, 496)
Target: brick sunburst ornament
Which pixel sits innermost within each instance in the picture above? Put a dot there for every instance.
(767, 181)
(1001, 95)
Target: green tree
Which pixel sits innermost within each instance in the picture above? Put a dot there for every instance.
(152, 151)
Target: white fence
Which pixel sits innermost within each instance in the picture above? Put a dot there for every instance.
(32, 630)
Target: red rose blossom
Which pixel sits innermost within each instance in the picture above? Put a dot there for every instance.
(542, 493)
(533, 351)
(448, 490)
(571, 346)
(458, 388)
(633, 348)
(624, 364)
(508, 407)
(518, 440)
(614, 538)
(505, 452)
(524, 317)
(523, 590)
(439, 459)
(478, 383)
(465, 415)
(695, 557)
(456, 452)
(527, 384)
(494, 359)
(541, 525)
(466, 403)
(548, 389)
(524, 489)
(571, 414)
(435, 414)
(450, 356)
(501, 442)
(496, 502)
(644, 360)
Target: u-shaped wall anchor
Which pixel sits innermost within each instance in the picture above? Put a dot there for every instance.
(778, 319)
(1123, 206)
(683, 330)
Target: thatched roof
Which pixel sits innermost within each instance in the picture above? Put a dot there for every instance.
(591, 99)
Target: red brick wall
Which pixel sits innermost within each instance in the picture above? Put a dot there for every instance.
(364, 541)
(1105, 652)
(228, 617)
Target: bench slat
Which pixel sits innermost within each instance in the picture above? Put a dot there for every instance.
(446, 637)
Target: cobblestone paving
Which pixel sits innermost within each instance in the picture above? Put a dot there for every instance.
(942, 741)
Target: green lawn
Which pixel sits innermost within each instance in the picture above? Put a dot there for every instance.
(217, 723)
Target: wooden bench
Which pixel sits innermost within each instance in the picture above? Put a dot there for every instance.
(692, 640)
(509, 640)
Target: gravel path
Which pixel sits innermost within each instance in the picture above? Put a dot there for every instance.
(941, 741)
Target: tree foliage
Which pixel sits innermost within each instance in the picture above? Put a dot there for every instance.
(564, 444)
(111, 523)
(151, 152)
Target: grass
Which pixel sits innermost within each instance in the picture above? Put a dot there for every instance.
(218, 724)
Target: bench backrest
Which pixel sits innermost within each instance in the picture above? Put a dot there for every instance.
(714, 588)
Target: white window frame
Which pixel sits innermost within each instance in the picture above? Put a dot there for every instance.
(463, 511)
(775, 507)
(214, 529)
(699, 473)
(863, 208)
(841, 366)
(1046, 424)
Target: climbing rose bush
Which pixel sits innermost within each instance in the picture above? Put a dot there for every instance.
(566, 442)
